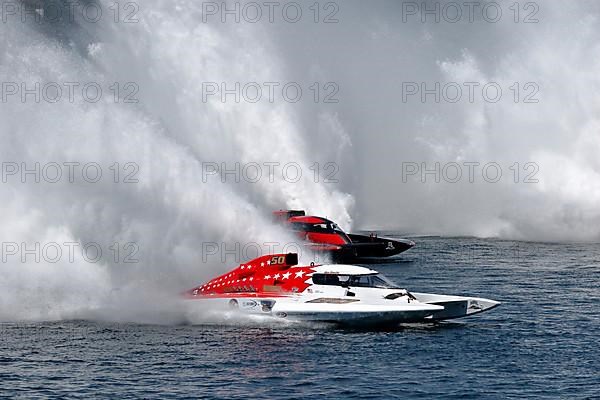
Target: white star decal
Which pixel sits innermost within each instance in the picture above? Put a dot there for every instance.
(251, 279)
(276, 276)
(286, 275)
(244, 280)
(267, 276)
(299, 274)
(243, 266)
(263, 264)
(269, 262)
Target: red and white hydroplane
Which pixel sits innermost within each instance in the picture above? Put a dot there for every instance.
(275, 286)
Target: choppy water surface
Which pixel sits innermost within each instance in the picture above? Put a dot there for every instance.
(541, 342)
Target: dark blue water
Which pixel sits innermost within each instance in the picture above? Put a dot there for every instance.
(542, 342)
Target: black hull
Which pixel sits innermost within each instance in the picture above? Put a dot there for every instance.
(372, 246)
(364, 246)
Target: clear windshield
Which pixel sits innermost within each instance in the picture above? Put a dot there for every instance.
(322, 227)
(373, 281)
(336, 228)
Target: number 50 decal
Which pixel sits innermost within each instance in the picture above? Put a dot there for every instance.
(276, 260)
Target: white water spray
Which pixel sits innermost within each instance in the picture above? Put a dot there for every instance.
(172, 207)
(172, 132)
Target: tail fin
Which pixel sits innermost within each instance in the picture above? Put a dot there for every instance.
(282, 216)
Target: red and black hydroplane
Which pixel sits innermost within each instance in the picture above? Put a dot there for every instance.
(324, 235)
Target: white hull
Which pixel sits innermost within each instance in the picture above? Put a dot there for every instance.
(455, 306)
(353, 313)
(428, 308)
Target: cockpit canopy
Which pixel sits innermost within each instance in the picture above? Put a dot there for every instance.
(371, 281)
(318, 227)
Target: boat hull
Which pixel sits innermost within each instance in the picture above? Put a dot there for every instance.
(363, 247)
(285, 309)
(455, 306)
(372, 246)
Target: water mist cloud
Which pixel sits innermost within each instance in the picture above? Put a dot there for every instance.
(166, 134)
(542, 56)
